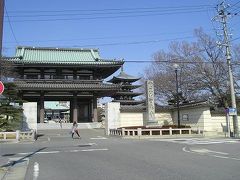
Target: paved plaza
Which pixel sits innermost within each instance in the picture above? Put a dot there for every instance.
(55, 155)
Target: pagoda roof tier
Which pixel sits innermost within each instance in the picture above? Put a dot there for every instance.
(123, 77)
(130, 86)
(129, 102)
(122, 93)
(63, 86)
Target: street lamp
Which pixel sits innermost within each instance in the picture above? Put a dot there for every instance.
(177, 92)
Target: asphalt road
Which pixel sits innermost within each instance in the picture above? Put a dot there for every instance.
(56, 156)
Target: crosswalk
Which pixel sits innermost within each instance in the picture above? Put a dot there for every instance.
(198, 141)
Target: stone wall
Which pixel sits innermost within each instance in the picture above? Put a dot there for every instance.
(164, 117)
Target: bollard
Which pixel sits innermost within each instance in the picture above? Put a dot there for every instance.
(17, 135)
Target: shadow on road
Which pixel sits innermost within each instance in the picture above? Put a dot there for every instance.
(12, 163)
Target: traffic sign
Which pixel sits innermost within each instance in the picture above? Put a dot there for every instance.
(232, 111)
(1, 87)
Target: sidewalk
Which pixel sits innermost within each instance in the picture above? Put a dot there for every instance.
(13, 168)
(3, 170)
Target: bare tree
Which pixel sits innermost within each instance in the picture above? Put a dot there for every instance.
(202, 70)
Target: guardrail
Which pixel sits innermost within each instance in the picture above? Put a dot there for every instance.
(18, 136)
(155, 132)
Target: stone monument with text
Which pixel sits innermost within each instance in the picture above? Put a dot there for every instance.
(150, 103)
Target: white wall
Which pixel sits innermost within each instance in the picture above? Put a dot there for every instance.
(131, 119)
(29, 116)
(196, 116)
(112, 116)
(219, 123)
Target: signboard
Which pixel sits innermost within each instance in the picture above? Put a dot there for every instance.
(1, 87)
(232, 111)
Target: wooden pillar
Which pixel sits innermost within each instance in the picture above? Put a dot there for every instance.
(41, 73)
(38, 112)
(71, 111)
(74, 74)
(41, 104)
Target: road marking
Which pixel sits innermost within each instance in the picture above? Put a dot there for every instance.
(75, 150)
(26, 153)
(223, 157)
(217, 152)
(92, 144)
(237, 159)
(54, 152)
(207, 152)
(94, 150)
(197, 141)
(99, 137)
(35, 171)
(48, 139)
(47, 152)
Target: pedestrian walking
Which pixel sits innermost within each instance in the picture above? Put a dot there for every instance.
(75, 129)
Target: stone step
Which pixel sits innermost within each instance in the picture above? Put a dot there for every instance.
(92, 125)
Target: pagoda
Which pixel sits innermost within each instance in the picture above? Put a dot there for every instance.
(64, 74)
(125, 95)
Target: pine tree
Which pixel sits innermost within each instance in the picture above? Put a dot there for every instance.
(10, 109)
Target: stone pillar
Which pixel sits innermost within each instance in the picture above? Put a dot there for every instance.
(29, 116)
(150, 103)
(112, 116)
(41, 104)
(94, 110)
(75, 108)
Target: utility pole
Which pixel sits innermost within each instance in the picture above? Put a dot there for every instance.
(223, 17)
(1, 33)
(177, 93)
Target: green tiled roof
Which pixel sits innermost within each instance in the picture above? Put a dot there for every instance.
(59, 56)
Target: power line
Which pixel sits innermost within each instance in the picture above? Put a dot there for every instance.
(111, 9)
(110, 13)
(108, 17)
(10, 25)
(106, 37)
(135, 42)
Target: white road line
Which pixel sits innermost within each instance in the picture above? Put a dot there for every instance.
(35, 171)
(49, 139)
(217, 152)
(197, 141)
(223, 157)
(26, 153)
(47, 152)
(185, 150)
(94, 150)
(92, 144)
(75, 150)
(205, 152)
(98, 137)
(234, 159)
(54, 152)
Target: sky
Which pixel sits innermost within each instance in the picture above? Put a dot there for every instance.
(129, 29)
